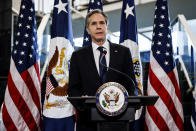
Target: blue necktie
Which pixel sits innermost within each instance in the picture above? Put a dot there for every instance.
(102, 64)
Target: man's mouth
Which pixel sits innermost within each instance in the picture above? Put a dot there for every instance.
(99, 33)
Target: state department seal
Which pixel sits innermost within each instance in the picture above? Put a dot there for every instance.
(111, 99)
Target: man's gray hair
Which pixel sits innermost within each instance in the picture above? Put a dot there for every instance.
(96, 11)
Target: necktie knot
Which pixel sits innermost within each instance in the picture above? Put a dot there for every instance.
(102, 50)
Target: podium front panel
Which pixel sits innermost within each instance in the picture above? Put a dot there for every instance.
(127, 115)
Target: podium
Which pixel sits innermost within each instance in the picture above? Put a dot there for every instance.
(112, 123)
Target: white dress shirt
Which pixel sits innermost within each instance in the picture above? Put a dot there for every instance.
(96, 53)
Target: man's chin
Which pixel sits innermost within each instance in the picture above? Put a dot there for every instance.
(100, 40)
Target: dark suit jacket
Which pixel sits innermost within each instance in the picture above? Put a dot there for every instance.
(84, 77)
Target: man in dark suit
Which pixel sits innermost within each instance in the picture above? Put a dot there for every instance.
(86, 74)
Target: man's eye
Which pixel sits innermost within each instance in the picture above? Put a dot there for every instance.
(93, 23)
(102, 22)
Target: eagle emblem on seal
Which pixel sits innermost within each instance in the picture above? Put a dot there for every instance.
(111, 98)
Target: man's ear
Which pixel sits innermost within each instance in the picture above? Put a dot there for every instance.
(87, 30)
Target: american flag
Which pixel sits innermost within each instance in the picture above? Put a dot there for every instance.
(57, 109)
(93, 4)
(167, 113)
(129, 38)
(22, 103)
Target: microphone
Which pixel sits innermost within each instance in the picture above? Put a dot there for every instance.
(115, 70)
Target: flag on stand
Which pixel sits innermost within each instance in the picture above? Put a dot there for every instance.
(22, 103)
(167, 113)
(58, 111)
(129, 38)
(93, 4)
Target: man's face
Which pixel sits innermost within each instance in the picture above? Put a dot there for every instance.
(97, 28)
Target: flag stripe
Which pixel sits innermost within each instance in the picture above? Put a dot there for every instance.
(160, 122)
(151, 124)
(22, 106)
(168, 85)
(15, 83)
(26, 76)
(34, 73)
(16, 119)
(166, 98)
(25, 92)
(163, 110)
(36, 66)
(172, 77)
(9, 127)
(50, 87)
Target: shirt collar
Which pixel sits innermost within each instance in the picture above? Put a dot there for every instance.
(105, 45)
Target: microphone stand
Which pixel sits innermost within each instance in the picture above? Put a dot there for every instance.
(115, 70)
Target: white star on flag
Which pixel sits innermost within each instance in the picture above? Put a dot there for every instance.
(28, 27)
(61, 6)
(31, 9)
(158, 52)
(21, 16)
(162, 16)
(23, 6)
(19, 25)
(30, 18)
(161, 25)
(90, 10)
(20, 62)
(129, 11)
(86, 39)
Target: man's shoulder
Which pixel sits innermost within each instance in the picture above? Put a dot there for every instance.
(114, 45)
(82, 49)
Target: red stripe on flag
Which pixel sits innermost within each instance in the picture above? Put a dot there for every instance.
(49, 87)
(172, 77)
(36, 65)
(32, 89)
(166, 98)
(7, 121)
(21, 105)
(157, 118)
(145, 126)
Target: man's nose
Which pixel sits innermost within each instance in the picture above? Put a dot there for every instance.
(99, 26)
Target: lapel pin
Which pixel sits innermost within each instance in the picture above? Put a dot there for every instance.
(116, 51)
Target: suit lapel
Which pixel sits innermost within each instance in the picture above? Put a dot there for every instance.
(113, 54)
(92, 65)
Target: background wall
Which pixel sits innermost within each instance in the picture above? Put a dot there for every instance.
(145, 15)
